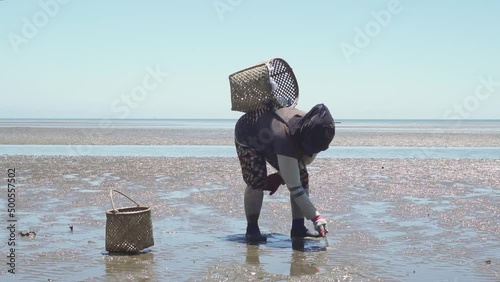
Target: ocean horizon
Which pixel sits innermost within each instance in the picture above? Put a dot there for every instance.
(369, 125)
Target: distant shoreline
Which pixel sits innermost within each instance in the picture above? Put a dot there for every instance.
(345, 136)
(234, 119)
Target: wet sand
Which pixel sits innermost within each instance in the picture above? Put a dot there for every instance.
(389, 220)
(216, 136)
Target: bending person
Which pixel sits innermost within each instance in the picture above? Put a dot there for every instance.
(289, 140)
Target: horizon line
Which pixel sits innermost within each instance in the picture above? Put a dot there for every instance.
(204, 118)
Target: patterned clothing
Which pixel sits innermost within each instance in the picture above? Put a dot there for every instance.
(266, 132)
(254, 169)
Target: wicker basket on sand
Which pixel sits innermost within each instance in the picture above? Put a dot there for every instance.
(128, 229)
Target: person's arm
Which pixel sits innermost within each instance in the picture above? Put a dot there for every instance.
(289, 170)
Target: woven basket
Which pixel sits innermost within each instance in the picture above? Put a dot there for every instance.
(252, 88)
(128, 229)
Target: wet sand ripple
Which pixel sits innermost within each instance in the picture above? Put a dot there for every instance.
(390, 220)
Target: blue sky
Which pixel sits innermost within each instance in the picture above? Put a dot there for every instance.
(363, 59)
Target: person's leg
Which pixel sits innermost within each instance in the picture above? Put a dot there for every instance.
(299, 230)
(253, 168)
(253, 204)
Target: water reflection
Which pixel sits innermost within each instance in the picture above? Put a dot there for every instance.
(304, 258)
(302, 264)
(136, 267)
(252, 255)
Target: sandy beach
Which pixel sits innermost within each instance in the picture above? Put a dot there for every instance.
(398, 219)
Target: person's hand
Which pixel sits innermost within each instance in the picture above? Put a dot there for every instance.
(273, 182)
(319, 223)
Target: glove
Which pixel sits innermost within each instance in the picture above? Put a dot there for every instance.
(319, 223)
(273, 182)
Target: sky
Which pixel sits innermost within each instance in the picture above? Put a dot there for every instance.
(407, 59)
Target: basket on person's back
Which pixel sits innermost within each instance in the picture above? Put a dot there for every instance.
(270, 84)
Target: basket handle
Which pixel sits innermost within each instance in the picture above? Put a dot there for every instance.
(111, 197)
